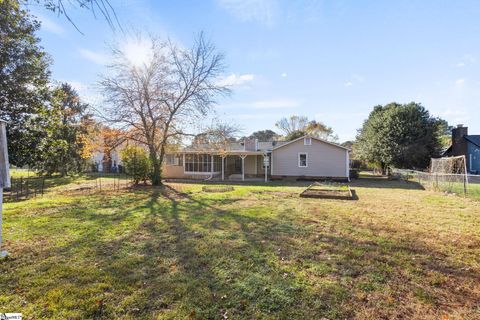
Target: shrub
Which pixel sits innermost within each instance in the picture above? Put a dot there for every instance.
(136, 163)
(354, 174)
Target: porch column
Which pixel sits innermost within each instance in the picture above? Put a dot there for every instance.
(223, 168)
(265, 163)
(243, 156)
(271, 164)
(211, 165)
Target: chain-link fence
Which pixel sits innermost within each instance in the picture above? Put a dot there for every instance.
(463, 184)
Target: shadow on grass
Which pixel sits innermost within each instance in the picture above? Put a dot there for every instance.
(164, 252)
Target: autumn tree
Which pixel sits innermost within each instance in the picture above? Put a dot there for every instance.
(162, 97)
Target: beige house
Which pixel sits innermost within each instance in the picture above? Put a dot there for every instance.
(303, 158)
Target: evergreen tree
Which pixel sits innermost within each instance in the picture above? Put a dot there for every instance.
(402, 136)
(24, 77)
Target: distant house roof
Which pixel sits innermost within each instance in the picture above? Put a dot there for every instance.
(475, 139)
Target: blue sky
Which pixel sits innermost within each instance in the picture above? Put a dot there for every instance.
(329, 60)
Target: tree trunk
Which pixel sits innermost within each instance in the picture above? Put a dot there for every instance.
(157, 172)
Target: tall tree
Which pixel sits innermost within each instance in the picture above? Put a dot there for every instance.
(295, 127)
(289, 125)
(162, 97)
(65, 122)
(264, 135)
(396, 135)
(24, 77)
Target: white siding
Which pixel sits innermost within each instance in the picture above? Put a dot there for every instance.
(324, 160)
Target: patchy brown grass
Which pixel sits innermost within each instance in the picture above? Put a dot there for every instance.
(398, 252)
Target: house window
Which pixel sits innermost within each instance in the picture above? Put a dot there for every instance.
(202, 163)
(173, 160)
(303, 160)
(307, 141)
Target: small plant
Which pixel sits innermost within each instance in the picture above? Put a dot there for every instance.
(136, 163)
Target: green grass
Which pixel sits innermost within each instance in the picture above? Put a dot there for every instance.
(24, 173)
(258, 252)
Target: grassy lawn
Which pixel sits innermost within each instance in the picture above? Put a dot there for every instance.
(258, 252)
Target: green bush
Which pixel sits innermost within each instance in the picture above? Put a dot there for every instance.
(354, 174)
(136, 163)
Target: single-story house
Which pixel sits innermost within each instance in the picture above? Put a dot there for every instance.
(466, 145)
(303, 158)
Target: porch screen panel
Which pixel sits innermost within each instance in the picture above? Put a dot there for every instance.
(198, 163)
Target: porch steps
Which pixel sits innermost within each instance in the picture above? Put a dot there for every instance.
(235, 177)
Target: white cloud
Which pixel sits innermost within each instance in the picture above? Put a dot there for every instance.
(51, 26)
(284, 75)
(354, 79)
(455, 115)
(96, 57)
(279, 103)
(262, 11)
(236, 80)
(255, 116)
(460, 82)
(467, 59)
(274, 104)
(77, 85)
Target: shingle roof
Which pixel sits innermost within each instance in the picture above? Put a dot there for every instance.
(475, 139)
(236, 146)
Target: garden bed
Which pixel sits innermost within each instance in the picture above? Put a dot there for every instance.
(328, 191)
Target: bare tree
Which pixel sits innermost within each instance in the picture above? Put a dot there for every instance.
(218, 136)
(296, 126)
(160, 98)
(101, 7)
(292, 124)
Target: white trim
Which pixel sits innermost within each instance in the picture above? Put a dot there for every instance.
(315, 138)
(223, 166)
(305, 139)
(271, 163)
(306, 159)
(202, 173)
(347, 165)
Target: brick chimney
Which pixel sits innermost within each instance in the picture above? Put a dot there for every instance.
(459, 144)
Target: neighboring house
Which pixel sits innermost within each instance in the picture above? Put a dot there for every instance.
(101, 163)
(306, 157)
(466, 145)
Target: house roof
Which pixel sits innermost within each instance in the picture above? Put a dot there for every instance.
(234, 147)
(315, 138)
(238, 148)
(475, 139)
